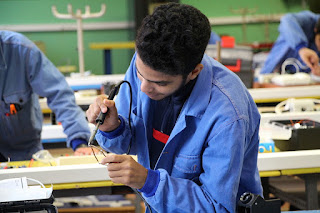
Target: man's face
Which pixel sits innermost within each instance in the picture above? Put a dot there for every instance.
(317, 41)
(157, 85)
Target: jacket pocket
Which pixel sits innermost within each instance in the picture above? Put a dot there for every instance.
(187, 166)
(20, 98)
(23, 126)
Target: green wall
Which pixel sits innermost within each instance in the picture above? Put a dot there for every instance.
(61, 47)
(256, 31)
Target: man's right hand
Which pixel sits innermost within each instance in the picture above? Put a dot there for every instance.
(311, 59)
(102, 104)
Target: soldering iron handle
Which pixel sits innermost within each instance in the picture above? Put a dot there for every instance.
(102, 116)
(113, 92)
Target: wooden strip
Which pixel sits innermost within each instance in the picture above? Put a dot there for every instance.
(63, 186)
(113, 45)
(300, 171)
(270, 173)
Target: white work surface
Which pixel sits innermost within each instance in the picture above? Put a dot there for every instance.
(289, 160)
(79, 101)
(258, 94)
(60, 174)
(94, 79)
(56, 132)
(281, 93)
(96, 172)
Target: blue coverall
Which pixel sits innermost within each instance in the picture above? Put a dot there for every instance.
(25, 74)
(210, 158)
(296, 31)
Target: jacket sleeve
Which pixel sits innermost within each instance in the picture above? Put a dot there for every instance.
(297, 28)
(219, 180)
(46, 80)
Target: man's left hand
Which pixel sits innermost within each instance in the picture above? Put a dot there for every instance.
(125, 170)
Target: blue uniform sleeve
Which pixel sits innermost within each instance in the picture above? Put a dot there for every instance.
(47, 81)
(214, 37)
(297, 28)
(296, 31)
(115, 133)
(150, 186)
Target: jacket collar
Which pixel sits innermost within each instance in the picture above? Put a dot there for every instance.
(198, 96)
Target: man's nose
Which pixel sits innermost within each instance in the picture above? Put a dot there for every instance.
(146, 86)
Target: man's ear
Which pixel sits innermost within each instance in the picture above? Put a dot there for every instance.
(194, 73)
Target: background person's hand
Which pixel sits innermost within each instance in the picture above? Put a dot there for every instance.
(311, 59)
(85, 151)
(125, 170)
(316, 71)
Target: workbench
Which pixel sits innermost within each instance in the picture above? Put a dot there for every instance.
(89, 179)
(278, 94)
(304, 163)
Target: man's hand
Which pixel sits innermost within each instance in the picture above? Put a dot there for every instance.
(102, 104)
(125, 170)
(311, 59)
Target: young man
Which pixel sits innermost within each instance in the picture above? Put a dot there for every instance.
(299, 39)
(25, 74)
(194, 126)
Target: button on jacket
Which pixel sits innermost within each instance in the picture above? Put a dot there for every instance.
(210, 158)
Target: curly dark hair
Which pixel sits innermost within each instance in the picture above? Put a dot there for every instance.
(173, 38)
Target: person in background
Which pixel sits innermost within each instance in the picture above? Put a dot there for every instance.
(25, 74)
(194, 125)
(214, 37)
(299, 39)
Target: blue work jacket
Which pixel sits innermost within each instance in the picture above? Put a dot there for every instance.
(210, 158)
(26, 74)
(296, 31)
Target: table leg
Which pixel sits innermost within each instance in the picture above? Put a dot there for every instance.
(265, 186)
(107, 62)
(311, 191)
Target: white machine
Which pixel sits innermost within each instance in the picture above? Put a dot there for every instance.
(294, 125)
(17, 189)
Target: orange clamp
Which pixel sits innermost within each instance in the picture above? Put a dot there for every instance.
(13, 109)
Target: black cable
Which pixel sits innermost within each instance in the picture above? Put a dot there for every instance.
(142, 198)
(130, 108)
(117, 87)
(130, 88)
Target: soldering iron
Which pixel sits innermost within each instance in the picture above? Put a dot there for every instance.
(102, 116)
